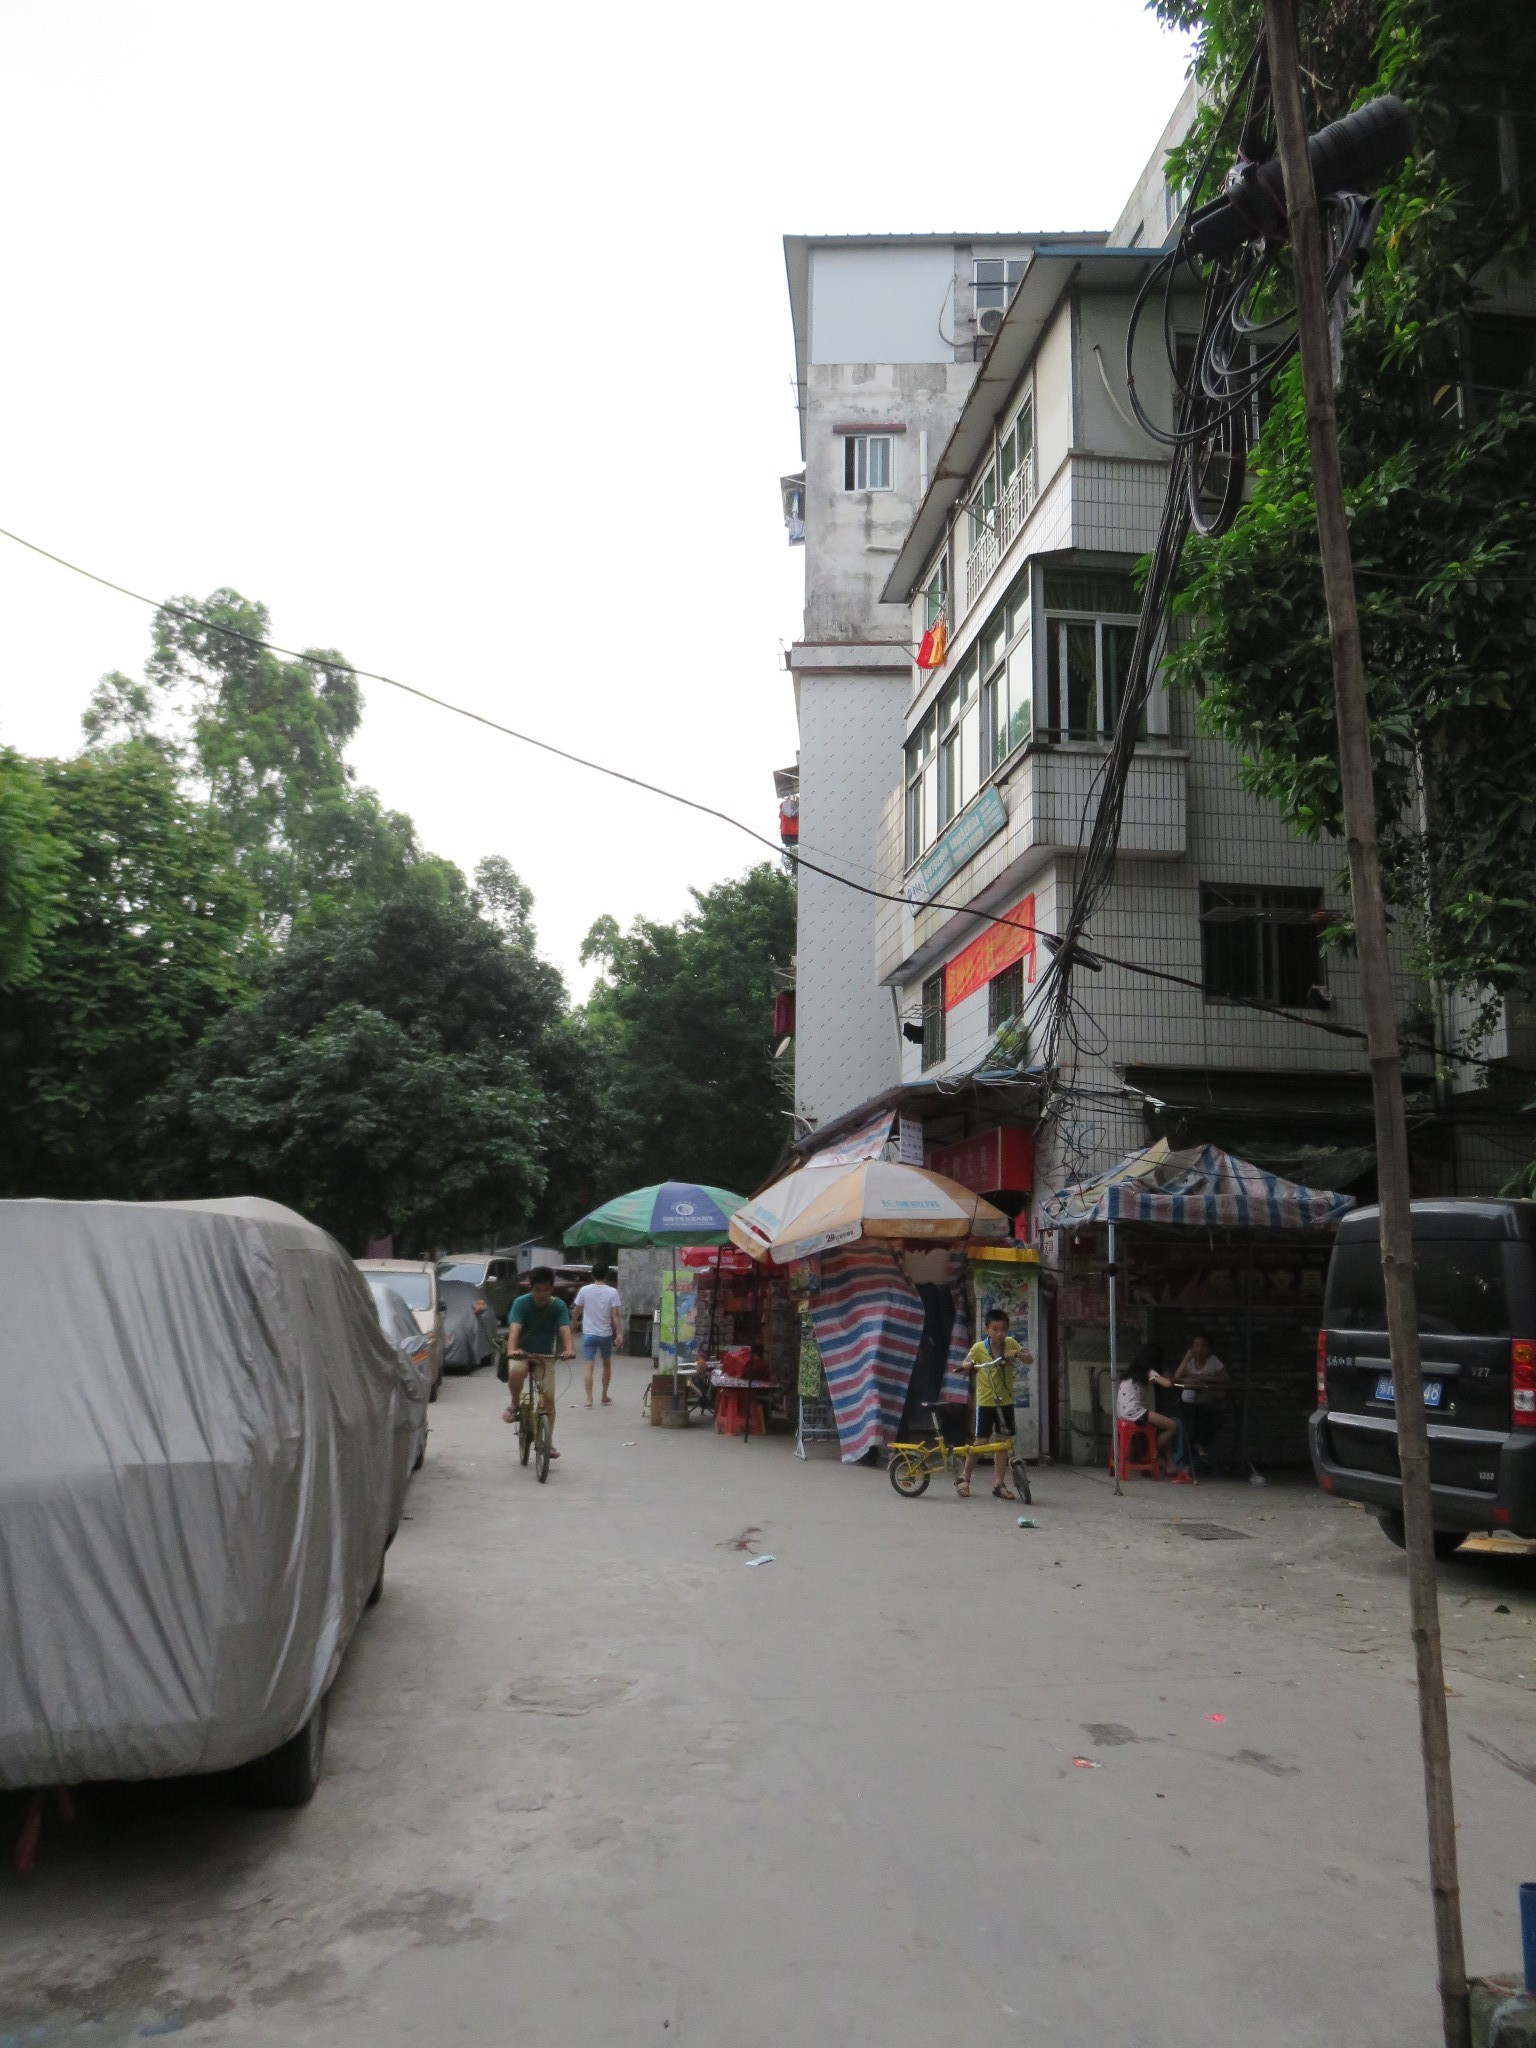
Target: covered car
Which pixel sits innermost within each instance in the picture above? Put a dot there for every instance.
(415, 1349)
(469, 1323)
(415, 1281)
(204, 1437)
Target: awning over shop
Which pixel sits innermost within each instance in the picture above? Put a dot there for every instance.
(1201, 1187)
(865, 1141)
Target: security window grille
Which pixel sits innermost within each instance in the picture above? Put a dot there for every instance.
(933, 1019)
(1005, 995)
(1260, 945)
(867, 462)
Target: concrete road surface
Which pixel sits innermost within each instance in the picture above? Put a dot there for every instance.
(595, 1778)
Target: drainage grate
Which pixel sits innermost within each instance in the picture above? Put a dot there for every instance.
(1211, 1532)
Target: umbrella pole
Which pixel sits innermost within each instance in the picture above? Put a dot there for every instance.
(677, 1332)
(1114, 1361)
(1242, 1433)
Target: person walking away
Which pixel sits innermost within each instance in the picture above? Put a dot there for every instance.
(598, 1306)
(539, 1322)
(1133, 1402)
(992, 1361)
(1200, 1372)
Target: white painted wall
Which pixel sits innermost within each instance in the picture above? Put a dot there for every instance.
(886, 304)
(845, 1029)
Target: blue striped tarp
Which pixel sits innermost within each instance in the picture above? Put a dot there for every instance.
(869, 1321)
(1203, 1186)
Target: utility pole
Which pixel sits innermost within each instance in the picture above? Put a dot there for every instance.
(1359, 803)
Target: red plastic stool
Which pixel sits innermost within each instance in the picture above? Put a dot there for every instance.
(731, 1412)
(1126, 1434)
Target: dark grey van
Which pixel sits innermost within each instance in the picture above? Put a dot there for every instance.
(1475, 1273)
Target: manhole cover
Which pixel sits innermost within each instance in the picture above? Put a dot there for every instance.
(1211, 1532)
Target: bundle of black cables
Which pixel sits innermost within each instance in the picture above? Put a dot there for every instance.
(1230, 248)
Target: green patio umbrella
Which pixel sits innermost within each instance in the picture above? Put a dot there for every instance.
(673, 1212)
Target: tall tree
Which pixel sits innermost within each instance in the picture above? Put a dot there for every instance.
(1437, 415)
(403, 1066)
(155, 936)
(32, 869)
(263, 736)
(682, 1021)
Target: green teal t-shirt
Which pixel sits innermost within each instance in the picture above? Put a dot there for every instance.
(541, 1327)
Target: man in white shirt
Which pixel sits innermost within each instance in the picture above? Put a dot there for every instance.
(597, 1304)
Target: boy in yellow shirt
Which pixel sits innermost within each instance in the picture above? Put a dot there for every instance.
(993, 1363)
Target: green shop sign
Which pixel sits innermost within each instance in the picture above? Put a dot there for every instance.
(979, 822)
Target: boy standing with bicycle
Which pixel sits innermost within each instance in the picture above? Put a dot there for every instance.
(993, 1363)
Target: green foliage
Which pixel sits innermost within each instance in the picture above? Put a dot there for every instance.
(682, 1019)
(403, 1066)
(31, 868)
(265, 738)
(156, 936)
(1438, 465)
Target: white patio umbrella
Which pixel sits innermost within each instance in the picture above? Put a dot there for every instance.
(820, 1207)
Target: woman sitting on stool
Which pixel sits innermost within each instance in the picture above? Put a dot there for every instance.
(1133, 1403)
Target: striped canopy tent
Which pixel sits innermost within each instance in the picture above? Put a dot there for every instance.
(1197, 1188)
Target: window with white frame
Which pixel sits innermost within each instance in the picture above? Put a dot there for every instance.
(1090, 627)
(1260, 944)
(993, 278)
(980, 718)
(1007, 672)
(994, 507)
(868, 462)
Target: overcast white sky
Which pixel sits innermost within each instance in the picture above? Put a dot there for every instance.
(459, 337)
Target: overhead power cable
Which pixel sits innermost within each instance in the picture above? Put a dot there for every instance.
(1051, 940)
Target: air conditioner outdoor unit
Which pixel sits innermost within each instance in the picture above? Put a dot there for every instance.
(988, 321)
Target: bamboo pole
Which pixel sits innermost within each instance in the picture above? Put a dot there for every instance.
(1359, 805)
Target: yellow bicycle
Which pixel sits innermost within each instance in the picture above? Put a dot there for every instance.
(913, 1463)
(532, 1422)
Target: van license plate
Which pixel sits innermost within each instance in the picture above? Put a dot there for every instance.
(1431, 1390)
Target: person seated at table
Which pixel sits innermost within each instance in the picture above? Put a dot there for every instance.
(1133, 1399)
(1199, 1377)
(993, 1362)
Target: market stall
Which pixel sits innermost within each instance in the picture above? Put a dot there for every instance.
(679, 1215)
(1249, 1271)
(848, 1230)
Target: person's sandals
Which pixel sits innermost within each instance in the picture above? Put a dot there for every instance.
(509, 1415)
(963, 1488)
(607, 1400)
(1004, 1493)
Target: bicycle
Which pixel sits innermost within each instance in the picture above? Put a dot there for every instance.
(914, 1462)
(532, 1421)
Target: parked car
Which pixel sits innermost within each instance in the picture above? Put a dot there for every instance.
(202, 1462)
(415, 1349)
(493, 1276)
(469, 1325)
(1475, 1275)
(415, 1281)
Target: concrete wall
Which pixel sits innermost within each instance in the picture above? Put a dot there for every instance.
(852, 537)
(1149, 208)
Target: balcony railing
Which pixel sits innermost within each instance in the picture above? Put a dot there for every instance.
(994, 541)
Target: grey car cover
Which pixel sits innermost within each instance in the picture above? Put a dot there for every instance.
(200, 1466)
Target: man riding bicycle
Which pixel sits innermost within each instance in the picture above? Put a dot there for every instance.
(538, 1322)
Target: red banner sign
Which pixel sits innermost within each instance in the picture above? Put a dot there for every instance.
(998, 947)
(990, 1161)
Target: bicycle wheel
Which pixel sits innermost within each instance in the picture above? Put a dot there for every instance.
(524, 1433)
(1021, 1480)
(909, 1475)
(541, 1446)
